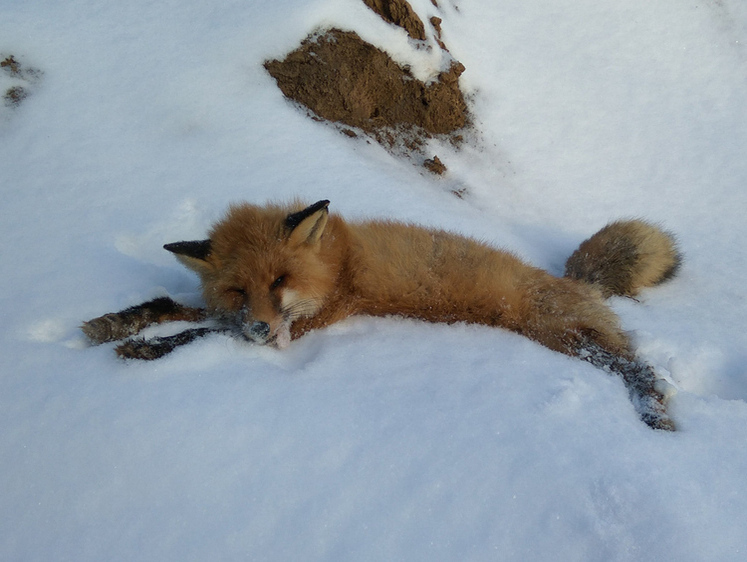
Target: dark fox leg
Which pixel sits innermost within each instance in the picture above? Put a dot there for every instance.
(160, 346)
(128, 322)
(640, 381)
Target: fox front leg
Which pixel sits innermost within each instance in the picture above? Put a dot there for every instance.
(157, 347)
(120, 325)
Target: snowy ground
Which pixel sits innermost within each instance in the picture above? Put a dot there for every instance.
(377, 439)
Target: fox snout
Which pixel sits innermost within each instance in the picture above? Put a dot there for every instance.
(257, 331)
(262, 333)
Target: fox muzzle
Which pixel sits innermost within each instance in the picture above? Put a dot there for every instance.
(258, 332)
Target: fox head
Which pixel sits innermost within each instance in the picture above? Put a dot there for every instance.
(264, 267)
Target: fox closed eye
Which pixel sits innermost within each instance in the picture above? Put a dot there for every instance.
(279, 281)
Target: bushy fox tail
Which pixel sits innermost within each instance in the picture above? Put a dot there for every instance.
(625, 257)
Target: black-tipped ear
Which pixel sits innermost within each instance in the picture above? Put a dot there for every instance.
(196, 249)
(194, 254)
(307, 226)
(294, 219)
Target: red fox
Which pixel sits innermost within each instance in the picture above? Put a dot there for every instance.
(275, 272)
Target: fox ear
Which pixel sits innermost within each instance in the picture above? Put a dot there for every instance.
(194, 254)
(308, 225)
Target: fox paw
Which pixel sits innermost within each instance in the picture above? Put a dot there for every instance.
(653, 412)
(147, 350)
(110, 327)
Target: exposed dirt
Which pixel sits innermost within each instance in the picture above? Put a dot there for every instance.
(25, 78)
(343, 79)
(15, 95)
(434, 165)
(399, 12)
(11, 66)
(436, 23)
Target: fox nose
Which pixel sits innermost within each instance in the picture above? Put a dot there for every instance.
(258, 332)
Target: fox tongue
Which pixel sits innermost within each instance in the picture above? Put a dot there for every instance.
(283, 336)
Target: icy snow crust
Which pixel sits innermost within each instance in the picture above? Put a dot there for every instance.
(377, 439)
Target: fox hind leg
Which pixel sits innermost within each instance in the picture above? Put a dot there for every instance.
(639, 378)
(572, 318)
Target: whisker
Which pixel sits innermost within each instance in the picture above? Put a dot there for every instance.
(304, 307)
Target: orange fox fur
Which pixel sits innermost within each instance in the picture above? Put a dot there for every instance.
(258, 270)
(279, 271)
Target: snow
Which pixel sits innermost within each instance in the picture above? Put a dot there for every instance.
(376, 439)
